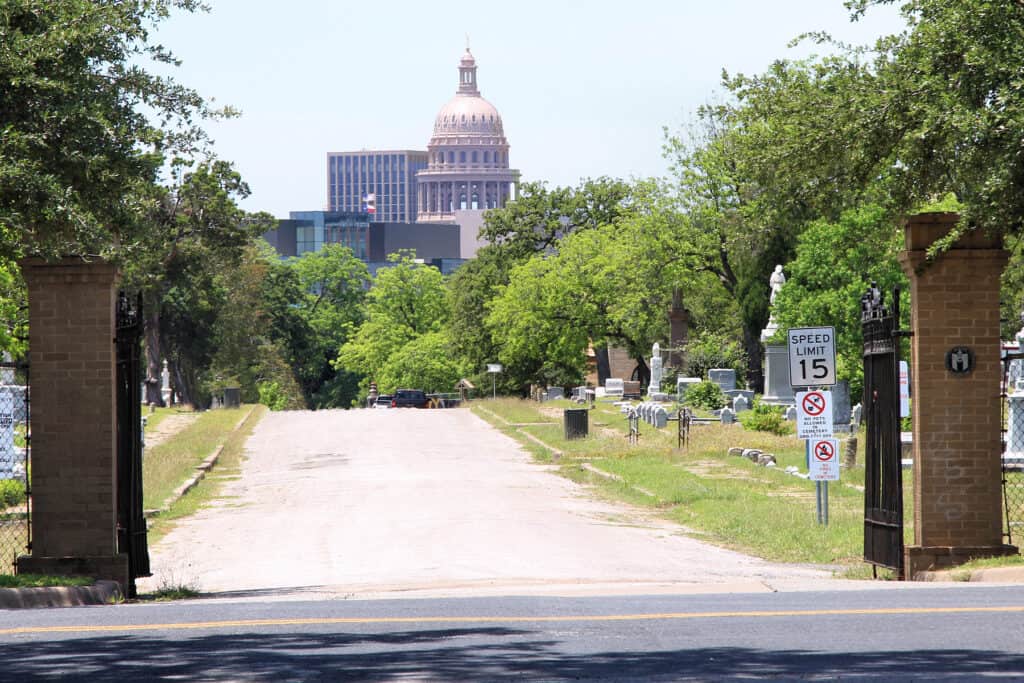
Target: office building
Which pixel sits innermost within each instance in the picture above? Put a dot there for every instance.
(381, 182)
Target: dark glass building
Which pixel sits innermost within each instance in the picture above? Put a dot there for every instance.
(314, 229)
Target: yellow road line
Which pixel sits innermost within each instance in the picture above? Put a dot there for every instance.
(328, 621)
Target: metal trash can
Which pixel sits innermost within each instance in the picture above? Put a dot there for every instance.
(576, 423)
(232, 397)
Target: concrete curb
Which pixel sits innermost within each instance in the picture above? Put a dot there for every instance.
(1013, 574)
(99, 593)
(200, 471)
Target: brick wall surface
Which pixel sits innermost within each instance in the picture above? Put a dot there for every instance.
(955, 302)
(72, 356)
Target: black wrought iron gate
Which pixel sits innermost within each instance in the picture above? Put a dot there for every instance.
(131, 523)
(883, 477)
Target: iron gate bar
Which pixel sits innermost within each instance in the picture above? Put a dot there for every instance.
(131, 522)
(883, 477)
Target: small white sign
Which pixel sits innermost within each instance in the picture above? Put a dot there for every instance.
(494, 367)
(904, 389)
(814, 414)
(812, 356)
(823, 459)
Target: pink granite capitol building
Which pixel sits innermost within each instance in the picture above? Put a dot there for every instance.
(464, 171)
(467, 157)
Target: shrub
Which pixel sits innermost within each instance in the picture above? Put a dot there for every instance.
(706, 395)
(12, 492)
(765, 418)
(272, 396)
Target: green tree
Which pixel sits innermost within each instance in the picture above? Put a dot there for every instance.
(191, 227)
(330, 306)
(835, 264)
(84, 127)
(406, 300)
(537, 218)
(426, 363)
(715, 217)
(931, 111)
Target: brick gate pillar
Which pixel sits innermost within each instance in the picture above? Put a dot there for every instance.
(957, 469)
(74, 435)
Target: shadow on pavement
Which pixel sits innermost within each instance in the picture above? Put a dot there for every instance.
(460, 654)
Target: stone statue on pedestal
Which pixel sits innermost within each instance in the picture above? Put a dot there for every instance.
(655, 385)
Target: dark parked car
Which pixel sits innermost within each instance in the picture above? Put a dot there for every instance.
(410, 398)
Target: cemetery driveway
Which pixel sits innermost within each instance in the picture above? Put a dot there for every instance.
(376, 503)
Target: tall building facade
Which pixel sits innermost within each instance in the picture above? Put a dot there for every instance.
(386, 178)
(468, 166)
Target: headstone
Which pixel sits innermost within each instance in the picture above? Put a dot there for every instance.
(683, 385)
(790, 414)
(1015, 425)
(613, 386)
(841, 406)
(655, 384)
(855, 416)
(725, 378)
(165, 385)
(740, 403)
(777, 389)
(7, 372)
(660, 417)
(745, 393)
(728, 417)
(555, 392)
(631, 388)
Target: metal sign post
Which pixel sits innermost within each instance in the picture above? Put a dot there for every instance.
(812, 363)
(494, 369)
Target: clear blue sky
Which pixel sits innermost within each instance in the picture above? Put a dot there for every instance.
(584, 88)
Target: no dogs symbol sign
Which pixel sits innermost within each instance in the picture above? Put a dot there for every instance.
(814, 414)
(823, 460)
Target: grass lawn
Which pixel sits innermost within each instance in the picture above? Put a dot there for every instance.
(168, 465)
(726, 500)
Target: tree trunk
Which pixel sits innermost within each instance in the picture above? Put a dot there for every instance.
(151, 322)
(180, 382)
(755, 354)
(604, 366)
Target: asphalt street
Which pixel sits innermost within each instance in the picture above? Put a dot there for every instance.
(427, 546)
(948, 633)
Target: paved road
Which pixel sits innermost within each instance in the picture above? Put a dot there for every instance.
(373, 503)
(958, 632)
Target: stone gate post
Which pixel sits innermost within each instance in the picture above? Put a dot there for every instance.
(74, 435)
(955, 379)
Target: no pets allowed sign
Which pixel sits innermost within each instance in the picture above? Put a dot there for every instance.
(814, 414)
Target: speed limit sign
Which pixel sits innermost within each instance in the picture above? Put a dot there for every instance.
(812, 356)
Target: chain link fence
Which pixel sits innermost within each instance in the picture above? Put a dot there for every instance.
(15, 489)
(1013, 445)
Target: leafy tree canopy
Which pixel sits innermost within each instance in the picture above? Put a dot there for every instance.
(84, 127)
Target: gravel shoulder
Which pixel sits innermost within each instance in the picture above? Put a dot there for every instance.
(387, 503)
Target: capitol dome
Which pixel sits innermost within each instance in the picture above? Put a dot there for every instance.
(468, 115)
(468, 167)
